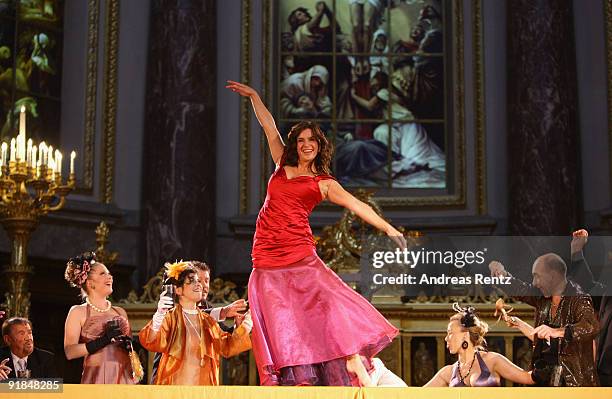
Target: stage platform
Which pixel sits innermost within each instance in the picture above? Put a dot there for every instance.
(250, 392)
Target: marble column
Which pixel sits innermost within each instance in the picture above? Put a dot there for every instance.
(179, 145)
(543, 137)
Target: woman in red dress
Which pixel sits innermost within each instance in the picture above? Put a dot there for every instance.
(309, 327)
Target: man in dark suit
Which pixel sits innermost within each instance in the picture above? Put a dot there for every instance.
(21, 355)
(602, 296)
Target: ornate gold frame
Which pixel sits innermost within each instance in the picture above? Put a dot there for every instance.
(455, 200)
(608, 23)
(110, 98)
(109, 114)
(93, 20)
(479, 108)
(245, 112)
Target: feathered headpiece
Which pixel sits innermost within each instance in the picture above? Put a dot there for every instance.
(469, 315)
(174, 270)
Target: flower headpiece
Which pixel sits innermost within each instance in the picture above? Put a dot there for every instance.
(78, 275)
(174, 270)
(469, 315)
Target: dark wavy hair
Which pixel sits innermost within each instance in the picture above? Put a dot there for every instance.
(321, 163)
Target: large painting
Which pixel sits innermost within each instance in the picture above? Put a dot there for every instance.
(30, 67)
(375, 74)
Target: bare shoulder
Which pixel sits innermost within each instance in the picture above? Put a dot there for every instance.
(446, 373)
(325, 185)
(78, 310)
(77, 313)
(491, 357)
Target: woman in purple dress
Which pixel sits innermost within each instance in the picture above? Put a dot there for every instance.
(475, 366)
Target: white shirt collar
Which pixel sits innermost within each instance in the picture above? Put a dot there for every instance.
(16, 360)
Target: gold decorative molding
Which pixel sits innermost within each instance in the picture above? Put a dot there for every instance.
(460, 180)
(109, 114)
(102, 254)
(608, 23)
(339, 244)
(479, 107)
(91, 86)
(151, 291)
(223, 291)
(245, 112)
(267, 62)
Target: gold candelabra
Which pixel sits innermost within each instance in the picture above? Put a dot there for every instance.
(31, 185)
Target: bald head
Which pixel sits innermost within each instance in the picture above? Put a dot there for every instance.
(552, 263)
(549, 272)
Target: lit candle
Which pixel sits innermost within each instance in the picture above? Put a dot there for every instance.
(13, 149)
(33, 159)
(41, 150)
(50, 157)
(4, 150)
(38, 168)
(72, 157)
(51, 166)
(22, 121)
(29, 153)
(21, 138)
(58, 162)
(21, 148)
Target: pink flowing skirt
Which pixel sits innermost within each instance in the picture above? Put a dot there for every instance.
(306, 320)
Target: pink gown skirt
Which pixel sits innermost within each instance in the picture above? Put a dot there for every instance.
(306, 320)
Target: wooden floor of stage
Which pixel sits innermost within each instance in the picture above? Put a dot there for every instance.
(248, 392)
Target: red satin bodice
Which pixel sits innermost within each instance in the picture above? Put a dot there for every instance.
(282, 233)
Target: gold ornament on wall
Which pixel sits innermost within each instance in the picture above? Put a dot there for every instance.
(102, 254)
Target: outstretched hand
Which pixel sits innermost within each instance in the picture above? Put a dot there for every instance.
(497, 269)
(242, 89)
(546, 333)
(397, 238)
(234, 308)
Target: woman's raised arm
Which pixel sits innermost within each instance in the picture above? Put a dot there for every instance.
(265, 118)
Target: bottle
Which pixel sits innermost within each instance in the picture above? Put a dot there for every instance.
(169, 288)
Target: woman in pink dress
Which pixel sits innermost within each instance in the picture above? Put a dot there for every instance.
(97, 330)
(309, 327)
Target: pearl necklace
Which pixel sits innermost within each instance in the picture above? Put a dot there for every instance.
(97, 309)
